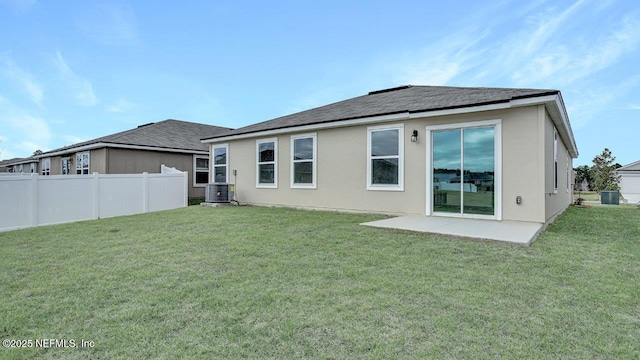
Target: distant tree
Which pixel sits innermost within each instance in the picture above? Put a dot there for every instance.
(583, 173)
(603, 173)
(37, 152)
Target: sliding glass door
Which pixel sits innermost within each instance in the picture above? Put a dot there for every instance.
(463, 161)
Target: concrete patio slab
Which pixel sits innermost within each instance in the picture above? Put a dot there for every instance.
(510, 231)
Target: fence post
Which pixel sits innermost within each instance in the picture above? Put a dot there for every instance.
(34, 199)
(145, 192)
(185, 176)
(96, 196)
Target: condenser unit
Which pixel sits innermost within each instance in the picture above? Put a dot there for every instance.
(219, 193)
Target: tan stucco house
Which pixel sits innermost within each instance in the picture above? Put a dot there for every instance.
(488, 153)
(172, 143)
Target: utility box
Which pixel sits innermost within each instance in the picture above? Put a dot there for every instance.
(610, 197)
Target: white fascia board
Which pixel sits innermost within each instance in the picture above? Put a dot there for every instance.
(560, 118)
(120, 146)
(630, 167)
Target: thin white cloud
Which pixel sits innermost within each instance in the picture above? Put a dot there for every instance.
(443, 61)
(108, 23)
(563, 60)
(24, 80)
(548, 27)
(70, 139)
(609, 49)
(552, 48)
(19, 6)
(33, 129)
(81, 89)
(634, 107)
(590, 104)
(120, 106)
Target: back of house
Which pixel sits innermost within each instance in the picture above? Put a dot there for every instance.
(488, 153)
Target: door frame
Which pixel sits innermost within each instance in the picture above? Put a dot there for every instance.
(497, 177)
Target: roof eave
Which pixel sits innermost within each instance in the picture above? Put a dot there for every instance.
(99, 145)
(552, 101)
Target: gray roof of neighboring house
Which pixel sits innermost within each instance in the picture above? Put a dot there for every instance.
(635, 166)
(168, 134)
(404, 99)
(18, 161)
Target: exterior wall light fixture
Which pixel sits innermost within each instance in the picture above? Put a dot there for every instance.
(414, 136)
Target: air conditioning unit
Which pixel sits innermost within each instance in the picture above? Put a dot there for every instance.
(219, 193)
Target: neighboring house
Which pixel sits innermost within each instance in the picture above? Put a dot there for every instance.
(490, 153)
(22, 165)
(4, 165)
(630, 182)
(172, 143)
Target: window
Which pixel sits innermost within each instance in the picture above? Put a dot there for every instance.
(34, 168)
(303, 161)
(82, 163)
(46, 166)
(267, 163)
(66, 166)
(200, 170)
(555, 160)
(385, 157)
(568, 175)
(221, 163)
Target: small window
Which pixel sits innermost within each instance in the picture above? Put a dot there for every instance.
(82, 163)
(303, 161)
(200, 171)
(221, 163)
(66, 166)
(267, 163)
(46, 166)
(385, 157)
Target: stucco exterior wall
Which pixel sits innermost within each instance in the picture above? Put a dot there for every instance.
(342, 168)
(556, 201)
(97, 161)
(128, 161)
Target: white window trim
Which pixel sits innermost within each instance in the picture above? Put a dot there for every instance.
(313, 184)
(195, 157)
(260, 185)
(555, 160)
(497, 179)
(88, 162)
(212, 165)
(386, 187)
(46, 170)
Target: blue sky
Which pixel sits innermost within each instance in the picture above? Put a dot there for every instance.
(76, 70)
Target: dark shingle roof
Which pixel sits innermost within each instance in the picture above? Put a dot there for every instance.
(167, 134)
(402, 99)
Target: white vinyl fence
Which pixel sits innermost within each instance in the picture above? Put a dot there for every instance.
(34, 200)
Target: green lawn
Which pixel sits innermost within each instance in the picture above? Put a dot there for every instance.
(251, 282)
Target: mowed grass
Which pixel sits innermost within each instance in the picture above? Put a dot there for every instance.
(252, 282)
